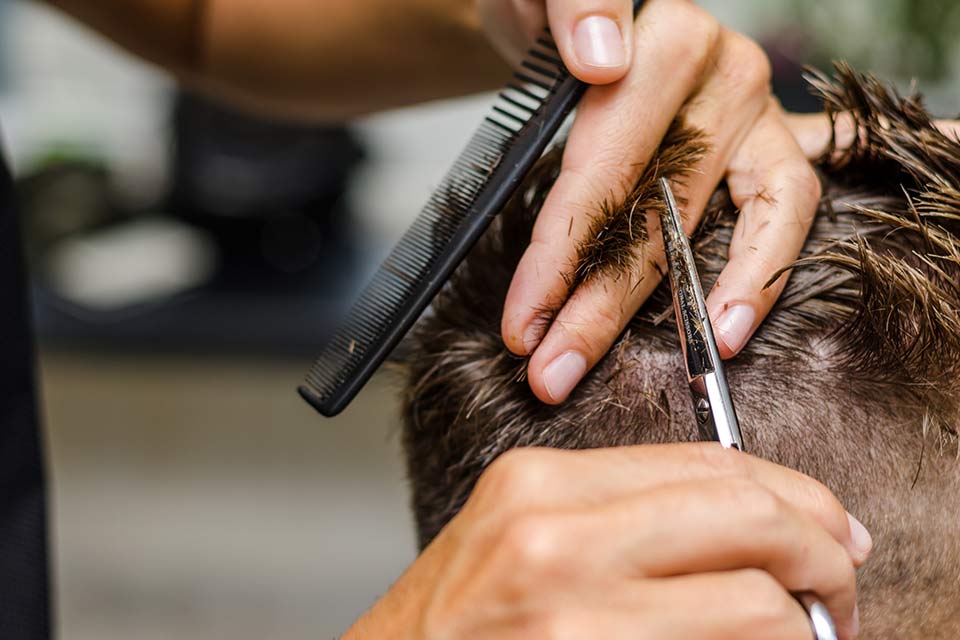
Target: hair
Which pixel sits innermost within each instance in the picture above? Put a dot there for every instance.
(854, 378)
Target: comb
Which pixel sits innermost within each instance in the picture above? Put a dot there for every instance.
(524, 118)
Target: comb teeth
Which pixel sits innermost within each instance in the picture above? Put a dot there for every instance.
(526, 114)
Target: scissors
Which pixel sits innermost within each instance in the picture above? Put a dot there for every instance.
(712, 404)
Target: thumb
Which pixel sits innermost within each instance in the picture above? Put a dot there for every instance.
(594, 37)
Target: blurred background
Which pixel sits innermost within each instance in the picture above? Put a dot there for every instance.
(188, 262)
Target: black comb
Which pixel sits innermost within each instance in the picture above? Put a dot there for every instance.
(525, 117)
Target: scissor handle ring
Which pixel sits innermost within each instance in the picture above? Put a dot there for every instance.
(821, 622)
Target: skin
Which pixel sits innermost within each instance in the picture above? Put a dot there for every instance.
(609, 543)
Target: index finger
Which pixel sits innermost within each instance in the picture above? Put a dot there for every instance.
(617, 130)
(549, 478)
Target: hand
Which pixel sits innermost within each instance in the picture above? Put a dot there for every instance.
(666, 541)
(677, 58)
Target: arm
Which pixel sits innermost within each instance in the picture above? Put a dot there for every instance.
(312, 59)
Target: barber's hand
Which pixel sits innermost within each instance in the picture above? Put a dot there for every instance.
(681, 541)
(675, 57)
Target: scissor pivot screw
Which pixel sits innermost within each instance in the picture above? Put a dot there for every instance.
(703, 410)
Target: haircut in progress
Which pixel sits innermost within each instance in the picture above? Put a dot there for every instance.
(853, 379)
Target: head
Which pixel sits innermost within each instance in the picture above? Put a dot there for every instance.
(854, 378)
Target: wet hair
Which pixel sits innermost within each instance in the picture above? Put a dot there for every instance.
(854, 378)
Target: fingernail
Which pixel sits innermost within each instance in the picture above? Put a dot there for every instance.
(735, 326)
(598, 42)
(856, 620)
(563, 374)
(862, 541)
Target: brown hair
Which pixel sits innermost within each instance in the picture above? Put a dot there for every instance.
(854, 377)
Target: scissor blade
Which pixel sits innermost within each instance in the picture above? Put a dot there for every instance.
(688, 301)
(716, 417)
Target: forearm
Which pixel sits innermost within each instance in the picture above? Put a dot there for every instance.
(318, 59)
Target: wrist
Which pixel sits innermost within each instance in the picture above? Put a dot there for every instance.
(392, 617)
(398, 615)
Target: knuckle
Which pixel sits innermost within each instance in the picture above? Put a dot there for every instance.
(760, 505)
(439, 619)
(552, 624)
(698, 34)
(850, 582)
(769, 607)
(747, 63)
(516, 476)
(759, 586)
(602, 165)
(825, 506)
(530, 545)
(606, 324)
(764, 265)
(780, 615)
(806, 181)
(723, 462)
(842, 577)
(831, 575)
(593, 326)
